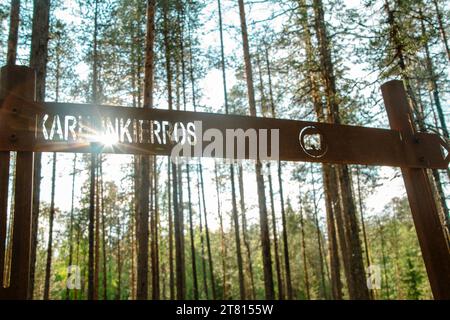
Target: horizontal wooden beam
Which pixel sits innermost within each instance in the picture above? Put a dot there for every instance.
(298, 140)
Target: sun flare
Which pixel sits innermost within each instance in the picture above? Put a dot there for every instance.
(107, 139)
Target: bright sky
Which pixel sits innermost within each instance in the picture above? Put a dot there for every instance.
(212, 90)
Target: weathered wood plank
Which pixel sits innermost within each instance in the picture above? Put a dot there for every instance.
(340, 143)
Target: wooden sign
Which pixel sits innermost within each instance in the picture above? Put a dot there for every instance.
(27, 127)
(66, 127)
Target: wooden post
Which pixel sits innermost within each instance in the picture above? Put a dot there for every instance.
(429, 228)
(18, 82)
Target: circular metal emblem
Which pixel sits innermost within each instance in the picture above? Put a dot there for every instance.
(313, 142)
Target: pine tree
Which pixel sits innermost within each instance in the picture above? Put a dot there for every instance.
(38, 61)
(264, 224)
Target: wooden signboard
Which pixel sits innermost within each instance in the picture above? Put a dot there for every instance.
(86, 128)
(27, 126)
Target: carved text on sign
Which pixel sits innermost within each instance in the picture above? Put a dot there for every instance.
(125, 130)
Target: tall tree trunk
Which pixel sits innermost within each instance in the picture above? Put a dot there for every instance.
(319, 235)
(142, 231)
(149, 54)
(82, 261)
(119, 261)
(191, 231)
(38, 61)
(71, 222)
(142, 219)
(199, 167)
(14, 18)
(177, 211)
(135, 70)
(208, 241)
(75, 294)
(237, 237)
(91, 219)
(97, 229)
(192, 80)
(92, 269)
(242, 288)
(384, 259)
(132, 231)
(264, 111)
(264, 224)
(202, 245)
(275, 239)
(170, 217)
(148, 103)
(336, 200)
(361, 213)
(245, 231)
(48, 265)
(357, 283)
(95, 62)
(6, 156)
(155, 236)
(181, 205)
(395, 243)
(305, 262)
(336, 284)
(223, 242)
(442, 28)
(359, 289)
(103, 216)
(133, 262)
(287, 265)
